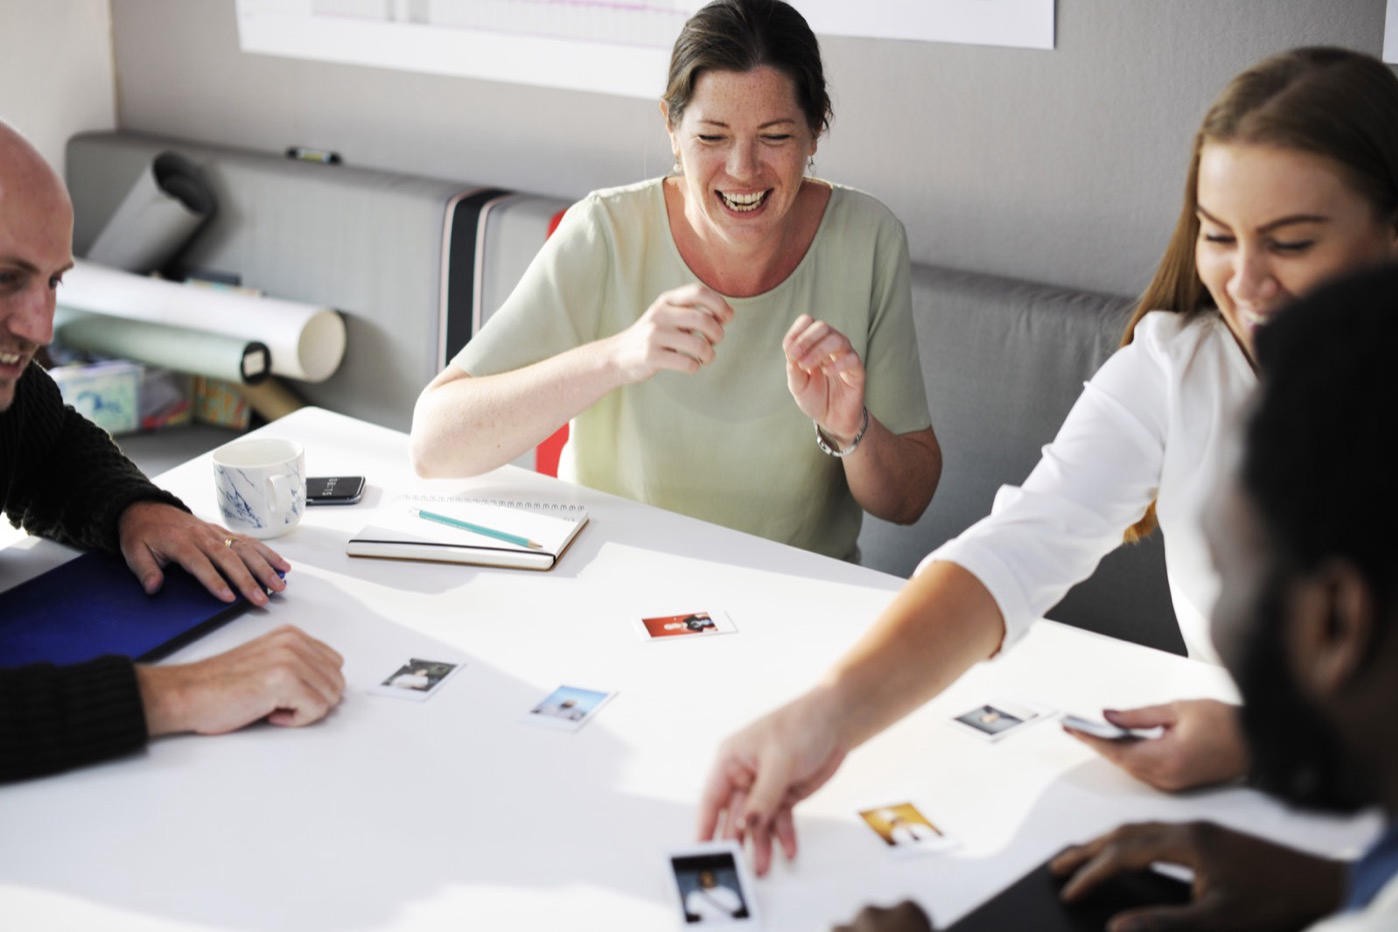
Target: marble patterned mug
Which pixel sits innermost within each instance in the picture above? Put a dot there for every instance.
(261, 485)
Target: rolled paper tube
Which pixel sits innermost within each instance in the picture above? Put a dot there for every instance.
(198, 352)
(164, 208)
(271, 398)
(306, 342)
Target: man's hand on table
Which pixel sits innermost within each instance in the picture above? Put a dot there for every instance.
(154, 534)
(1240, 882)
(286, 677)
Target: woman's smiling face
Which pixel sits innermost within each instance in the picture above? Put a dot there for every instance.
(1273, 224)
(742, 144)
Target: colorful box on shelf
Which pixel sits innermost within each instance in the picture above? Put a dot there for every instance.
(106, 393)
(220, 403)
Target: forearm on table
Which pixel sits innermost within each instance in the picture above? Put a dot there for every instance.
(470, 425)
(892, 476)
(939, 625)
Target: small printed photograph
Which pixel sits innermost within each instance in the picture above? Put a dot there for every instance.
(994, 720)
(712, 886)
(417, 679)
(689, 624)
(905, 830)
(568, 707)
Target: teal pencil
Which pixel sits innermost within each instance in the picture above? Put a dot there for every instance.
(478, 529)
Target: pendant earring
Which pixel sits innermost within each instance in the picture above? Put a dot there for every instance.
(677, 168)
(810, 165)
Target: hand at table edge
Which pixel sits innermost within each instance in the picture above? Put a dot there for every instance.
(154, 534)
(1241, 882)
(285, 676)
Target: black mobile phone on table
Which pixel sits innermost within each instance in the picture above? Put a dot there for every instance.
(334, 490)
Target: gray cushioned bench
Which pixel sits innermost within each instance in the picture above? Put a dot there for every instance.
(1003, 361)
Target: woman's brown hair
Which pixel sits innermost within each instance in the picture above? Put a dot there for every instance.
(1332, 102)
(740, 35)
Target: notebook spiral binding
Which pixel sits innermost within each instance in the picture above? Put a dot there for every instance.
(523, 504)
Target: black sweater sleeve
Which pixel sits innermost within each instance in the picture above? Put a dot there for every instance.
(61, 476)
(53, 718)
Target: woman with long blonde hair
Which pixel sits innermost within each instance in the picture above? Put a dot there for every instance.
(1293, 181)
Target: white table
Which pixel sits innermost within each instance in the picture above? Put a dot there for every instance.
(454, 814)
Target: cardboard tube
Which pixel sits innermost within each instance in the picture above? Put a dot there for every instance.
(306, 342)
(167, 203)
(233, 359)
(271, 398)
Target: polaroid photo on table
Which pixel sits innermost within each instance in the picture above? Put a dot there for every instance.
(685, 625)
(712, 886)
(417, 679)
(568, 708)
(905, 831)
(994, 720)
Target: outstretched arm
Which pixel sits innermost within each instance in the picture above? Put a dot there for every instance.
(943, 621)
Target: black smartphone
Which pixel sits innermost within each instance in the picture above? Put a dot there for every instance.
(334, 490)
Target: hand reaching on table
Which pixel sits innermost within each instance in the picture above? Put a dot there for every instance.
(679, 331)
(286, 677)
(764, 770)
(826, 377)
(154, 534)
(1202, 744)
(1240, 882)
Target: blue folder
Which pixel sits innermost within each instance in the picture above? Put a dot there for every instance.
(93, 605)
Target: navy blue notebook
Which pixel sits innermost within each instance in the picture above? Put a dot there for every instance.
(93, 605)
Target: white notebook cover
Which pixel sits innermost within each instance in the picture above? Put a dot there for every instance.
(400, 533)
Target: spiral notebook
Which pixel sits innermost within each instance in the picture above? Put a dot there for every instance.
(482, 531)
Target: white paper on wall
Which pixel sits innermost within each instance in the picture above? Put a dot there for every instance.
(589, 45)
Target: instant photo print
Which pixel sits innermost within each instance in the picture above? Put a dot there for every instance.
(712, 887)
(992, 721)
(685, 625)
(568, 708)
(416, 680)
(904, 830)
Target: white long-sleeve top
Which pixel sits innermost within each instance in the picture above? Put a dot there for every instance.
(1158, 422)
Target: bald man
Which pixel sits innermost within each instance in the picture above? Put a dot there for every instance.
(63, 478)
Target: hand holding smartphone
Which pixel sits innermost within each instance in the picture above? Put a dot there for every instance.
(1107, 731)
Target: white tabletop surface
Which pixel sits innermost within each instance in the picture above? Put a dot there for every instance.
(455, 814)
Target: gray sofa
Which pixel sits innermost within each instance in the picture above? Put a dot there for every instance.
(416, 264)
(1003, 361)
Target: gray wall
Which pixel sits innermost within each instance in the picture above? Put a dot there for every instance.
(1062, 166)
(56, 71)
